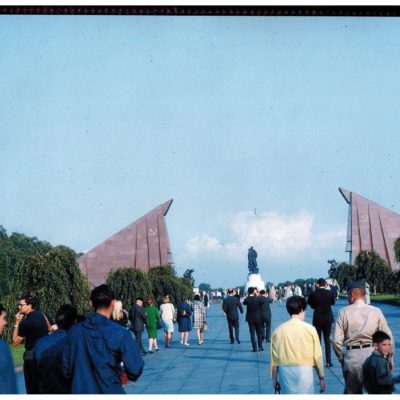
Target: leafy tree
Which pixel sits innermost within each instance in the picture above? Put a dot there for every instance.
(393, 285)
(53, 279)
(129, 283)
(373, 269)
(204, 287)
(12, 250)
(345, 273)
(396, 248)
(164, 281)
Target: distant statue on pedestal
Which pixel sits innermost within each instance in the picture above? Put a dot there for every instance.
(252, 257)
(254, 278)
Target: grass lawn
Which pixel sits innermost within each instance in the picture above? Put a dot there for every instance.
(384, 296)
(387, 298)
(17, 353)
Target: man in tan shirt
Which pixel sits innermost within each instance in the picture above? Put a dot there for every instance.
(354, 327)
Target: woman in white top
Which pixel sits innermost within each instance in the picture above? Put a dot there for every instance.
(167, 310)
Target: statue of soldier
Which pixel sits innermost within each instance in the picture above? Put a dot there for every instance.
(252, 257)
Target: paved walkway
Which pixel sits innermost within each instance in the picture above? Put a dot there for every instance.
(217, 367)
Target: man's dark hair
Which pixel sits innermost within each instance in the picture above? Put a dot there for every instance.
(196, 297)
(250, 290)
(2, 309)
(296, 304)
(30, 300)
(66, 316)
(102, 296)
(262, 292)
(230, 291)
(380, 336)
(321, 282)
(140, 298)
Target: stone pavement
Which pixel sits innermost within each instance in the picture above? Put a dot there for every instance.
(217, 367)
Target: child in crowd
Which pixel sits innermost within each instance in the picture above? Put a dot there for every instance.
(378, 378)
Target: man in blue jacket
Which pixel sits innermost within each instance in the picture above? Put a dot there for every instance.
(96, 348)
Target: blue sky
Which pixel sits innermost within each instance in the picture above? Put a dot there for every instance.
(249, 124)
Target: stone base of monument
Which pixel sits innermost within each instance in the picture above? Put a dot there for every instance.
(254, 280)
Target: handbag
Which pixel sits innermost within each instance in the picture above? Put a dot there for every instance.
(205, 327)
(159, 324)
(123, 377)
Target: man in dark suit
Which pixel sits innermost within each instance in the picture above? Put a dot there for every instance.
(253, 318)
(138, 317)
(321, 301)
(231, 305)
(265, 316)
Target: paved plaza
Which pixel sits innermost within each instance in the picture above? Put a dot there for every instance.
(217, 367)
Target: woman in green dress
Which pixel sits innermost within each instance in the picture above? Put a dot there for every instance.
(153, 315)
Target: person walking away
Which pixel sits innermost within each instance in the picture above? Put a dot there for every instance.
(184, 313)
(378, 378)
(321, 301)
(335, 289)
(297, 290)
(99, 350)
(138, 318)
(253, 318)
(199, 318)
(272, 293)
(119, 315)
(296, 351)
(288, 292)
(205, 299)
(353, 329)
(30, 325)
(265, 316)
(367, 294)
(48, 354)
(153, 315)
(167, 310)
(280, 294)
(8, 380)
(231, 307)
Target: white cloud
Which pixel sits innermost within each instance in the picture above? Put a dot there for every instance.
(273, 235)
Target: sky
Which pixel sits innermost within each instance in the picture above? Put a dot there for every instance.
(250, 124)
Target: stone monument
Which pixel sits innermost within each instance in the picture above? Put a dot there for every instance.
(254, 279)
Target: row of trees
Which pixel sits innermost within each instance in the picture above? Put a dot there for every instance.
(129, 283)
(52, 275)
(369, 266)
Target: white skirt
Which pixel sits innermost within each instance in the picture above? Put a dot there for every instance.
(296, 379)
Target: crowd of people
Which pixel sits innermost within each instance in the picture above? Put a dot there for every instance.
(96, 354)
(101, 352)
(296, 345)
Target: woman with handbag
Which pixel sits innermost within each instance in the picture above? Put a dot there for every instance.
(153, 315)
(199, 318)
(184, 322)
(167, 310)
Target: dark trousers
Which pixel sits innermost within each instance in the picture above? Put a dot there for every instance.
(31, 383)
(325, 330)
(266, 329)
(255, 328)
(233, 323)
(138, 337)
